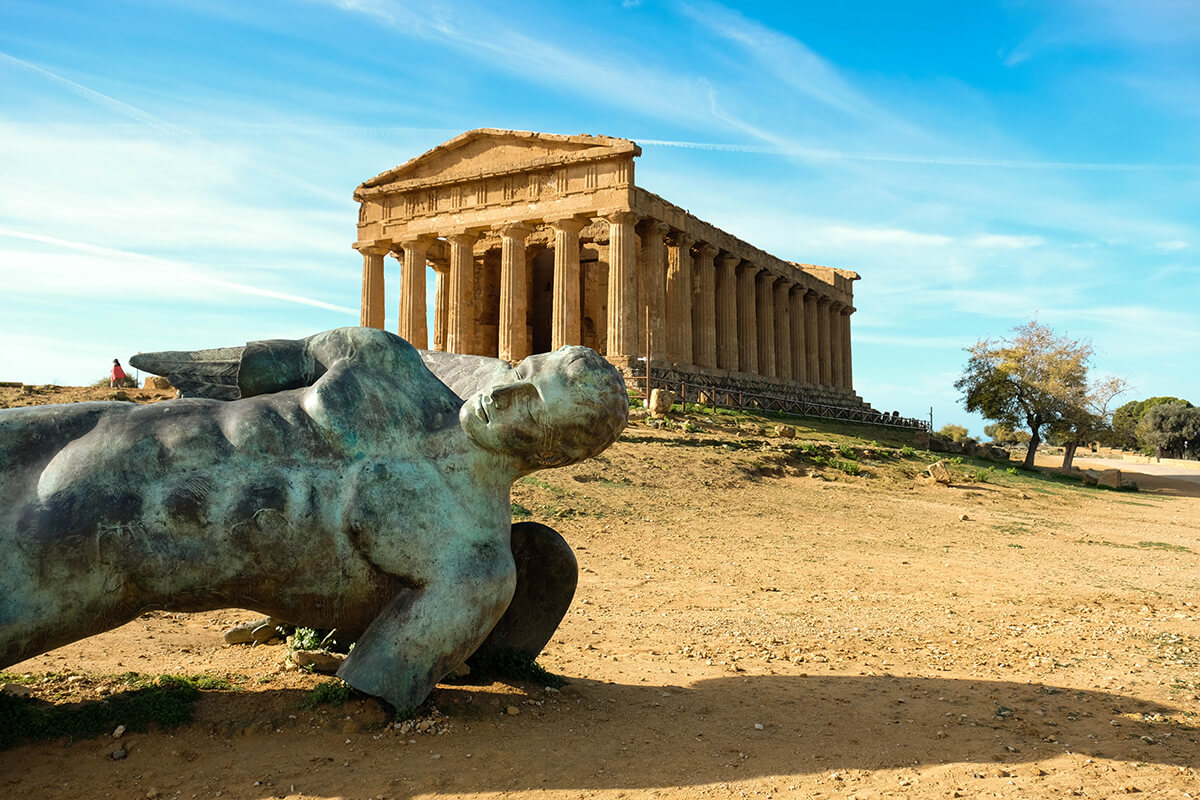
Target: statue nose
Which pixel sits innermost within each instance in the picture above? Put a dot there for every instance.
(504, 396)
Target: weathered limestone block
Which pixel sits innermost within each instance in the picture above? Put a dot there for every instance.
(939, 472)
(157, 383)
(661, 401)
(1110, 478)
(1091, 477)
(785, 432)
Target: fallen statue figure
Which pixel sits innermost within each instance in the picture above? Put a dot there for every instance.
(346, 487)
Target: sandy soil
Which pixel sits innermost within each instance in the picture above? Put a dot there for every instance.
(748, 624)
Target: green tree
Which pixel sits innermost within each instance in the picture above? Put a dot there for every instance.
(1126, 418)
(1000, 433)
(955, 433)
(1087, 417)
(1035, 379)
(1172, 429)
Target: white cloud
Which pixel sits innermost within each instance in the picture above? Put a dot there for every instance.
(1001, 242)
(841, 234)
(1171, 246)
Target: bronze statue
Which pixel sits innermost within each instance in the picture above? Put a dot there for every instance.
(346, 487)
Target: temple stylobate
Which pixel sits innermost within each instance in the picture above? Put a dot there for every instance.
(536, 240)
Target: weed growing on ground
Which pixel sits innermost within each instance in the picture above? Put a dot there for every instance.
(165, 701)
(907, 452)
(332, 692)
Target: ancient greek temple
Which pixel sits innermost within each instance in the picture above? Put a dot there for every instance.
(534, 241)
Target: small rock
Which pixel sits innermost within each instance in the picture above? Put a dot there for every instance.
(320, 660)
(938, 471)
(118, 755)
(758, 726)
(785, 432)
(512, 711)
(119, 732)
(964, 518)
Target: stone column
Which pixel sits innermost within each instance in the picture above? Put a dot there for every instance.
(783, 330)
(747, 319)
(371, 310)
(799, 356)
(847, 361)
(679, 298)
(441, 306)
(704, 309)
(812, 347)
(412, 293)
(460, 328)
(565, 320)
(622, 344)
(652, 288)
(835, 344)
(514, 297)
(765, 306)
(727, 311)
(824, 348)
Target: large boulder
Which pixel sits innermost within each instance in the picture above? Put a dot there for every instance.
(157, 383)
(1110, 478)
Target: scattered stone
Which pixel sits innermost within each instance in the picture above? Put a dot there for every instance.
(661, 401)
(512, 711)
(119, 732)
(118, 755)
(1110, 478)
(319, 660)
(964, 518)
(939, 472)
(758, 726)
(1091, 477)
(260, 630)
(785, 432)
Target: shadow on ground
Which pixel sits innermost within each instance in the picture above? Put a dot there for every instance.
(620, 736)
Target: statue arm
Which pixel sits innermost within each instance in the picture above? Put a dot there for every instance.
(273, 365)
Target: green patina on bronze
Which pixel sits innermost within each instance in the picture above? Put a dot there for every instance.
(347, 487)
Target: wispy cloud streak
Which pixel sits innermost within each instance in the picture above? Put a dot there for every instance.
(909, 158)
(176, 269)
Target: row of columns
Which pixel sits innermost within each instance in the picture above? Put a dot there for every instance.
(676, 303)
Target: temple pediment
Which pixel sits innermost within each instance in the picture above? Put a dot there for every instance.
(488, 151)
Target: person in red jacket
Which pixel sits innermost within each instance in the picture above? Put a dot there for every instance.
(117, 376)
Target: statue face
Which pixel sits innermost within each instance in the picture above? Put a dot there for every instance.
(542, 412)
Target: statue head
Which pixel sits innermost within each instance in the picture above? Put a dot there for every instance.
(552, 409)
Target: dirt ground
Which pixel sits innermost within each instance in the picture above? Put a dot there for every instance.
(749, 623)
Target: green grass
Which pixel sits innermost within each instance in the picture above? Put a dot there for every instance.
(165, 701)
(332, 692)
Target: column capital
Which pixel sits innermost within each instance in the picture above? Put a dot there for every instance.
(728, 259)
(572, 224)
(707, 250)
(513, 230)
(422, 240)
(681, 239)
(652, 225)
(374, 249)
(748, 268)
(467, 237)
(622, 218)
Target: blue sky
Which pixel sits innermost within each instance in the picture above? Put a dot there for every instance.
(179, 174)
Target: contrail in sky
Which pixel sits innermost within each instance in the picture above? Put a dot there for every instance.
(901, 158)
(183, 270)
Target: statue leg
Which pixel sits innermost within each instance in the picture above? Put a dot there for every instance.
(547, 574)
(424, 632)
